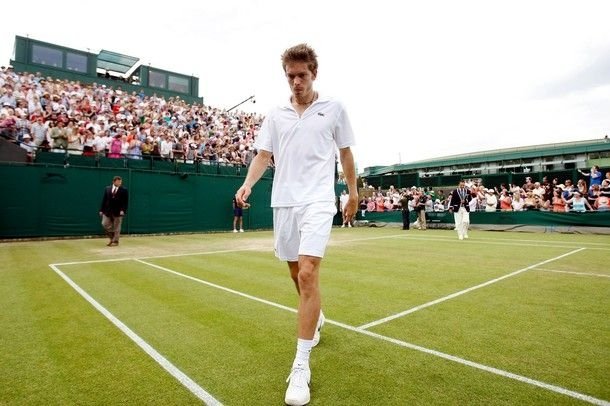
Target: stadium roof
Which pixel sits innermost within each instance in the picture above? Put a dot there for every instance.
(115, 62)
(505, 154)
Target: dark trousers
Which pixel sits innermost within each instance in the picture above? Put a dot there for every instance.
(405, 219)
(112, 226)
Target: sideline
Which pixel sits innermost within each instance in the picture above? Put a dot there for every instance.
(187, 382)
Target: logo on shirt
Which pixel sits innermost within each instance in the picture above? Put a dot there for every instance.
(321, 114)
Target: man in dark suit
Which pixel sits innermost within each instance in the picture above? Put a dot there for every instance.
(113, 208)
(459, 204)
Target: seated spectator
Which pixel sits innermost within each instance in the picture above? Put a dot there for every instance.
(505, 200)
(370, 206)
(543, 203)
(518, 202)
(491, 201)
(531, 201)
(438, 206)
(579, 203)
(581, 186)
(602, 203)
(538, 190)
(363, 206)
(604, 190)
(30, 147)
(528, 185)
(379, 202)
(558, 203)
(115, 147)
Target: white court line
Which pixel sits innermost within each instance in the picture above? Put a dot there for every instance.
(213, 285)
(156, 256)
(559, 244)
(191, 385)
(461, 292)
(508, 242)
(404, 344)
(576, 273)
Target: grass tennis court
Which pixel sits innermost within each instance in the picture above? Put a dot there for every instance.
(413, 317)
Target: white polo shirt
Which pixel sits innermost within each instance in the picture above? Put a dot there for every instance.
(304, 150)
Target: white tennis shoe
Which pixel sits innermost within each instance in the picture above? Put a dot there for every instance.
(297, 393)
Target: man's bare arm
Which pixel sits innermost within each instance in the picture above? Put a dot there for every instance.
(258, 166)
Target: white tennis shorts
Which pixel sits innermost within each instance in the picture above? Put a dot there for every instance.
(302, 230)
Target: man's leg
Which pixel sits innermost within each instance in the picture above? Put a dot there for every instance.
(305, 276)
(116, 226)
(107, 223)
(465, 222)
(309, 295)
(457, 216)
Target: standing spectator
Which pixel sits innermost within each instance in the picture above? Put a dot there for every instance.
(404, 208)
(302, 135)
(238, 215)
(419, 202)
(459, 205)
(113, 208)
(595, 176)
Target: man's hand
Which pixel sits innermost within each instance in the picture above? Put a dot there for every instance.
(242, 195)
(351, 206)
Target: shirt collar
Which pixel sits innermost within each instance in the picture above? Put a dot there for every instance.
(321, 99)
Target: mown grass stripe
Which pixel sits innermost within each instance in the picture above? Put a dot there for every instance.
(462, 292)
(462, 361)
(187, 382)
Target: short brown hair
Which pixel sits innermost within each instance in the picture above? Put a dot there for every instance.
(116, 178)
(301, 53)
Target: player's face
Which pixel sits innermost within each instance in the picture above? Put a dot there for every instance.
(300, 78)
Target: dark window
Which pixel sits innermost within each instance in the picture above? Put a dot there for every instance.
(178, 84)
(156, 79)
(76, 62)
(47, 56)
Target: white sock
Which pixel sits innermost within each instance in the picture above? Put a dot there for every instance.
(303, 351)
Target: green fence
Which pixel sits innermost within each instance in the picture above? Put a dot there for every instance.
(53, 200)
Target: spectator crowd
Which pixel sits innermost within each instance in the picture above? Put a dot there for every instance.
(67, 116)
(541, 196)
(62, 115)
